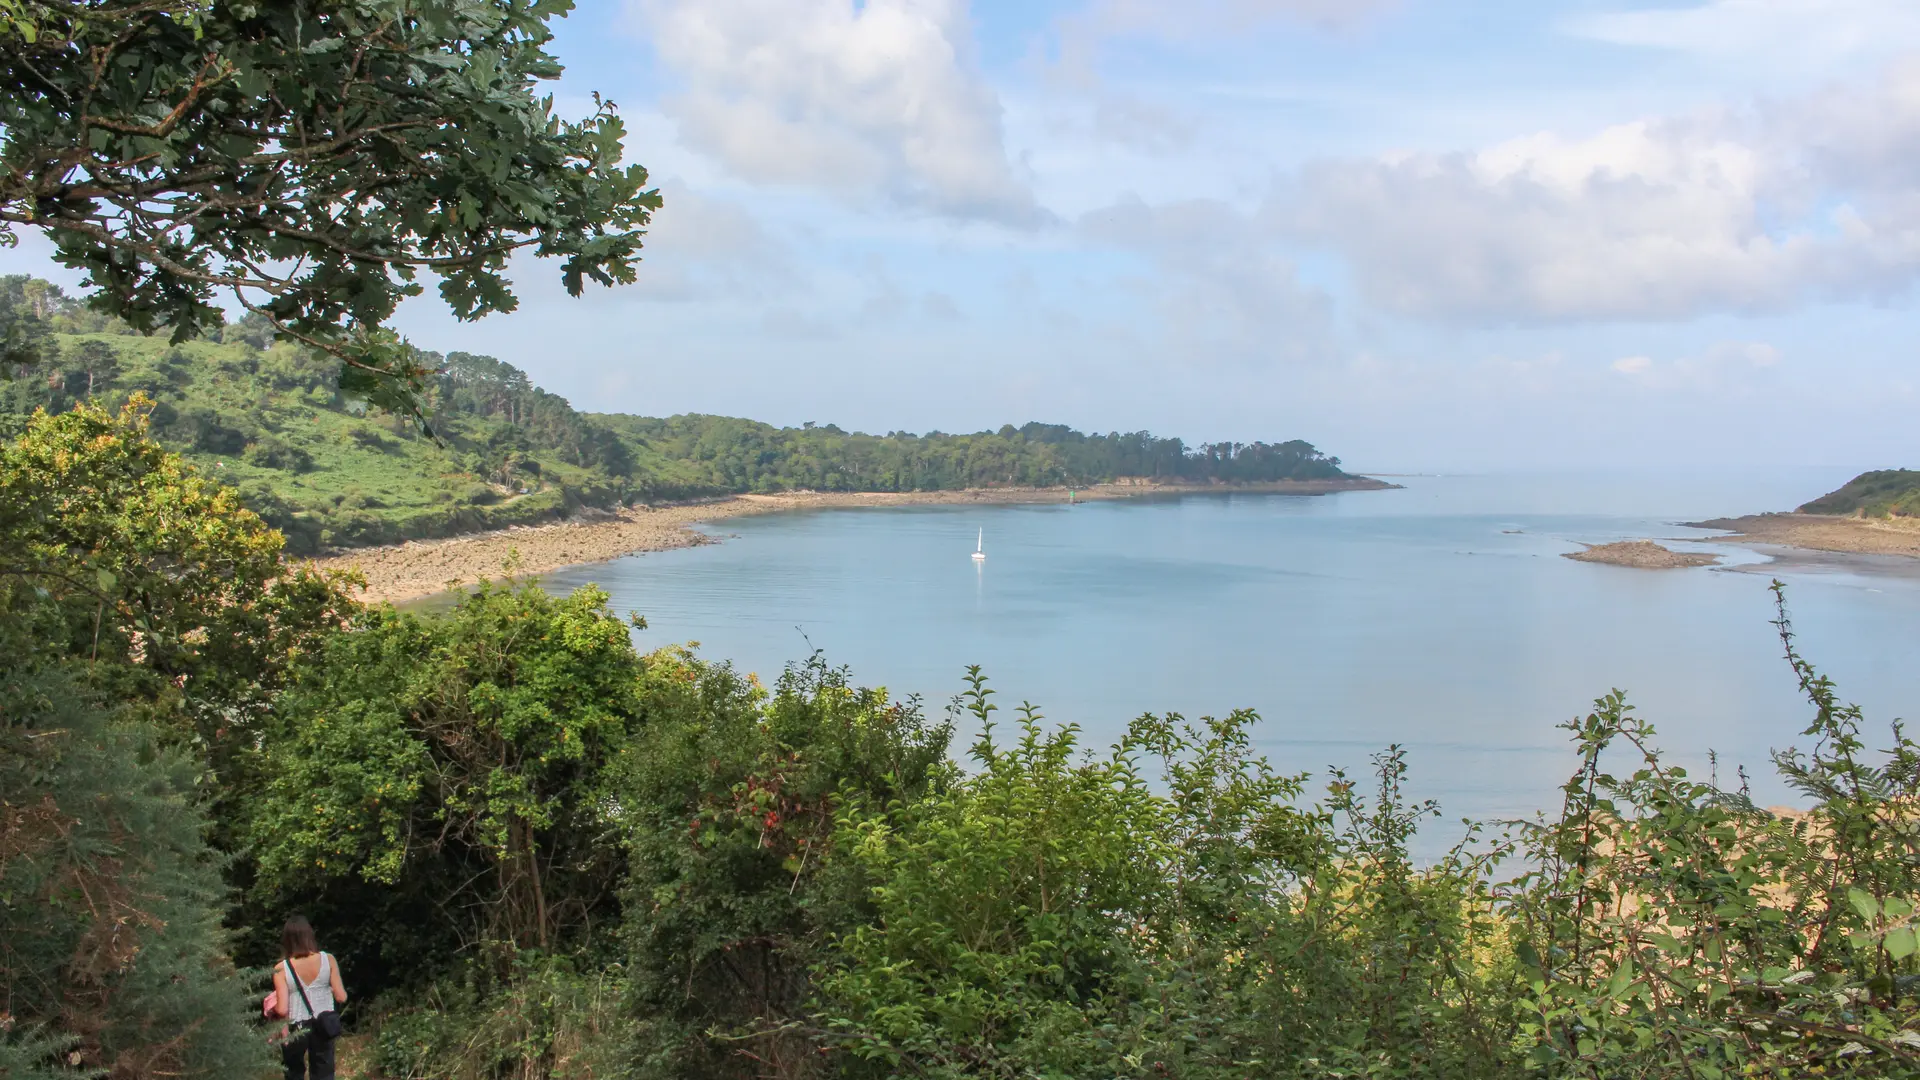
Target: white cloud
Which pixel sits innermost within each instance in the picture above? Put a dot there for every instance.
(1803, 35)
(1157, 18)
(1750, 354)
(701, 247)
(856, 98)
(1849, 136)
(1724, 367)
(1761, 210)
(1638, 221)
(1222, 286)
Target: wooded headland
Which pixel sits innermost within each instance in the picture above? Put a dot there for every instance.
(268, 419)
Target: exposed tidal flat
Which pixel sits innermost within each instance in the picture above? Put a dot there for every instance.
(1439, 617)
(1849, 535)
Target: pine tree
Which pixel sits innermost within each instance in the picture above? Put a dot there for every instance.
(112, 954)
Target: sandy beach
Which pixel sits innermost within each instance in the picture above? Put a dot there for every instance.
(412, 570)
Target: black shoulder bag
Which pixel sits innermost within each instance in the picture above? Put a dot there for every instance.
(326, 1023)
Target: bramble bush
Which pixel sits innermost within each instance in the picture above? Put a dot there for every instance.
(1671, 928)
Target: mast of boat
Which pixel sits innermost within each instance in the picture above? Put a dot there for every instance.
(980, 547)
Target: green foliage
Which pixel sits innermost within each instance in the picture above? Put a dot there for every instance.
(482, 386)
(36, 1054)
(546, 1020)
(112, 956)
(559, 858)
(736, 884)
(116, 553)
(1671, 928)
(1054, 916)
(323, 471)
(26, 337)
(469, 753)
(741, 455)
(265, 419)
(311, 158)
(1885, 493)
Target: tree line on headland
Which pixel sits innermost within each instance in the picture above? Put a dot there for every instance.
(539, 853)
(492, 449)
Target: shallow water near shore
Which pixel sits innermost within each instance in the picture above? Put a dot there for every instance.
(1439, 617)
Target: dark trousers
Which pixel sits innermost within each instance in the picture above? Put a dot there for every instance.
(308, 1055)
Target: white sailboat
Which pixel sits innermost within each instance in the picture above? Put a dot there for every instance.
(980, 547)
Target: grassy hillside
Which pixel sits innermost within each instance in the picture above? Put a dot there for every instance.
(267, 418)
(1884, 493)
(328, 474)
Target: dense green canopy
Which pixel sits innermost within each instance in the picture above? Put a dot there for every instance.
(311, 158)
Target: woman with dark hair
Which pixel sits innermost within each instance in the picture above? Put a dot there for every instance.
(307, 987)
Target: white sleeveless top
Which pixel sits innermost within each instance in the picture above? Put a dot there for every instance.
(319, 991)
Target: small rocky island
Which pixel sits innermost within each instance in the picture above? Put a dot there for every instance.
(1641, 554)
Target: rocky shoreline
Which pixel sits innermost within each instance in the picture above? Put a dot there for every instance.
(409, 571)
(1641, 555)
(1820, 532)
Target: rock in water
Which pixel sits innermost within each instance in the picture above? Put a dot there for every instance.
(1642, 554)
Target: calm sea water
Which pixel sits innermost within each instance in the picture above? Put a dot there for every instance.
(1439, 617)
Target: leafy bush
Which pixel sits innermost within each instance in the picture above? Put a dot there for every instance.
(373, 439)
(736, 884)
(1672, 928)
(119, 553)
(206, 430)
(1056, 916)
(468, 756)
(273, 452)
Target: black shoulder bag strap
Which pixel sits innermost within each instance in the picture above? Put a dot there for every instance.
(330, 1030)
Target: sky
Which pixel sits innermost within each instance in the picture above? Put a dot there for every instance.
(1422, 234)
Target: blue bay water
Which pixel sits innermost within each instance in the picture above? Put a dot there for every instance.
(1439, 617)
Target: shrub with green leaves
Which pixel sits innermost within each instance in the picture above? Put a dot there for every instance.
(1059, 915)
(1670, 928)
(117, 552)
(737, 883)
(463, 760)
